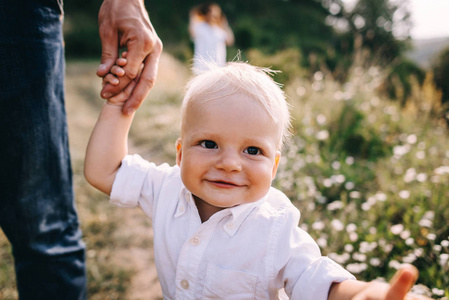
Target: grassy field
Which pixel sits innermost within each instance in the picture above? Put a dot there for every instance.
(371, 180)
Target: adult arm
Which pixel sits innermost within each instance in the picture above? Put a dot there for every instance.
(126, 24)
(228, 30)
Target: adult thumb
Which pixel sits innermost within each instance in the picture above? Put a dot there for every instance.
(109, 52)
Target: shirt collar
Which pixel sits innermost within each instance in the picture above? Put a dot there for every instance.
(237, 214)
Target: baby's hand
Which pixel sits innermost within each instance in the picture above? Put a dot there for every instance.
(117, 71)
(398, 289)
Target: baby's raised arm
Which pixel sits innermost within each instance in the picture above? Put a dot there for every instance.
(397, 289)
(108, 143)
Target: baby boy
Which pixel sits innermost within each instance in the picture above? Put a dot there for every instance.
(220, 230)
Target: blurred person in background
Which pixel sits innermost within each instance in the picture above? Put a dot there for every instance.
(210, 32)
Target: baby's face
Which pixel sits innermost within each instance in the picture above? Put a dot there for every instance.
(228, 151)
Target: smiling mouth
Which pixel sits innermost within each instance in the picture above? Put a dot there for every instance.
(223, 184)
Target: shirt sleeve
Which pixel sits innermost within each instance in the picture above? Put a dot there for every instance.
(317, 279)
(307, 274)
(138, 183)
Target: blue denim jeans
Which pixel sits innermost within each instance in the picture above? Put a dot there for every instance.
(37, 212)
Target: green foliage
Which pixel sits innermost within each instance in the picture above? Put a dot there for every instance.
(352, 135)
(81, 28)
(374, 21)
(398, 83)
(440, 69)
(270, 26)
(370, 180)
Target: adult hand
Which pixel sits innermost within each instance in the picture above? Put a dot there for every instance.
(126, 24)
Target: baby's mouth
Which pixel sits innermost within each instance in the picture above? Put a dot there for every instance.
(223, 183)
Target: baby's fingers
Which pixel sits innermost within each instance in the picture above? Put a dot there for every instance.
(110, 78)
(122, 61)
(123, 95)
(402, 282)
(117, 71)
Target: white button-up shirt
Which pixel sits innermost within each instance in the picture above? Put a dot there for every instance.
(250, 251)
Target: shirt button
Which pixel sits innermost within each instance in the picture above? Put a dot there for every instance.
(195, 241)
(230, 225)
(185, 284)
(181, 209)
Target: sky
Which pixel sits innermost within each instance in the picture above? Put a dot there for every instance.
(430, 18)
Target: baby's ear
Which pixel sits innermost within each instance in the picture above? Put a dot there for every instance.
(277, 157)
(178, 151)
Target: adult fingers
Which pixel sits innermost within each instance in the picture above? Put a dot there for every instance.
(145, 50)
(109, 39)
(145, 82)
(140, 46)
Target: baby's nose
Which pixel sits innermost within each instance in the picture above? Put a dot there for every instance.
(229, 161)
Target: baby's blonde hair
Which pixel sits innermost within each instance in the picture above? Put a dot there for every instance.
(240, 78)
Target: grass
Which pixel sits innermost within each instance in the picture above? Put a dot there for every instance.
(369, 177)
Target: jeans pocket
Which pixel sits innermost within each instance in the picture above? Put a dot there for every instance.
(228, 284)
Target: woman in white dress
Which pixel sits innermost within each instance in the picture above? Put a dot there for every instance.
(211, 33)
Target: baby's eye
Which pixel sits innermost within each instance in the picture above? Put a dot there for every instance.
(253, 150)
(209, 144)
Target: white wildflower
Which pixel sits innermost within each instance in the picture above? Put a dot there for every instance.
(405, 234)
(444, 258)
(412, 139)
(351, 227)
(327, 182)
(421, 177)
(322, 242)
(356, 268)
(349, 248)
(349, 160)
(339, 178)
(337, 225)
(355, 195)
(381, 197)
(420, 155)
(336, 165)
(321, 119)
(375, 262)
(404, 194)
(359, 257)
(397, 229)
(318, 225)
(410, 175)
(353, 237)
(431, 236)
(349, 185)
(441, 170)
(335, 205)
(445, 243)
(394, 264)
(322, 135)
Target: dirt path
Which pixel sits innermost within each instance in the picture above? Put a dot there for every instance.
(132, 236)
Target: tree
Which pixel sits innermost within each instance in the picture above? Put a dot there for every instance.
(383, 26)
